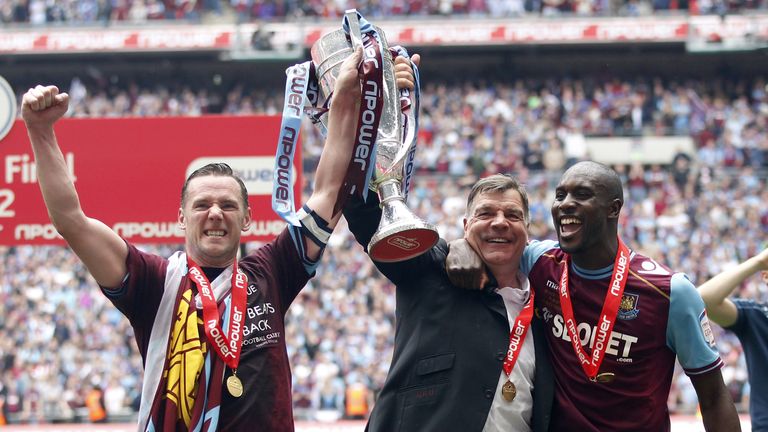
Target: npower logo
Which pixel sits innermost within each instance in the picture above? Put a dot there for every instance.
(7, 108)
(256, 171)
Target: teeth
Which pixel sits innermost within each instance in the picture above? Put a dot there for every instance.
(498, 240)
(215, 233)
(569, 220)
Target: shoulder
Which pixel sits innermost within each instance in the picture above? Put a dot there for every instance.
(684, 298)
(681, 286)
(742, 303)
(140, 263)
(280, 248)
(649, 268)
(539, 247)
(649, 274)
(749, 308)
(435, 256)
(535, 249)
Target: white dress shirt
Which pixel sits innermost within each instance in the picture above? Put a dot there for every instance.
(515, 415)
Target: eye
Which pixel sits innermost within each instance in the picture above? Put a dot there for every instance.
(482, 214)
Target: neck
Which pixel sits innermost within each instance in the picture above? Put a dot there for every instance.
(211, 263)
(598, 256)
(213, 272)
(506, 278)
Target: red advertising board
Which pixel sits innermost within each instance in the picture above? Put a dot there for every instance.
(410, 33)
(129, 172)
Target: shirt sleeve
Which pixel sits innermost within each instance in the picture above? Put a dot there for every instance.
(139, 296)
(279, 266)
(143, 284)
(689, 333)
(299, 242)
(742, 307)
(533, 251)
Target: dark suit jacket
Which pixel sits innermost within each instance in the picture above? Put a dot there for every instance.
(449, 346)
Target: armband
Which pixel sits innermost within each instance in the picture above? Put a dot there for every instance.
(313, 226)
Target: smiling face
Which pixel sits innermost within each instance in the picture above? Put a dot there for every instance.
(585, 214)
(213, 218)
(496, 227)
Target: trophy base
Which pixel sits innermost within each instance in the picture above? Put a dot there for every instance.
(401, 241)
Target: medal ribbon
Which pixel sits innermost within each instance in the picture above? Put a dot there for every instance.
(517, 335)
(591, 364)
(227, 345)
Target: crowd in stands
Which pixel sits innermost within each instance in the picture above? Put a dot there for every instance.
(106, 12)
(704, 211)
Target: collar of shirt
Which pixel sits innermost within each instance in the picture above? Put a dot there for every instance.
(516, 295)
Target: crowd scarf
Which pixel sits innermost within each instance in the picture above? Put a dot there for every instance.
(361, 166)
(183, 378)
(591, 363)
(297, 85)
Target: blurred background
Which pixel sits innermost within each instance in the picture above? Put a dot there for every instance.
(671, 93)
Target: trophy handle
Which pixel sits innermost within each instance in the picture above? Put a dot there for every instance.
(401, 234)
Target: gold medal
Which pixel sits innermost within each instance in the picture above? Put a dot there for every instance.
(235, 386)
(605, 377)
(508, 391)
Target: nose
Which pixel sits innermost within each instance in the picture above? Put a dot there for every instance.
(215, 212)
(499, 220)
(566, 203)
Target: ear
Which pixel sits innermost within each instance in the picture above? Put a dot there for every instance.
(182, 223)
(246, 220)
(465, 225)
(615, 208)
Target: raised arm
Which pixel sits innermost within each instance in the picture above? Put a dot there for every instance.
(715, 291)
(342, 125)
(102, 251)
(337, 151)
(717, 410)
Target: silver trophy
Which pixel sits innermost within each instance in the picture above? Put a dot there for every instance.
(401, 234)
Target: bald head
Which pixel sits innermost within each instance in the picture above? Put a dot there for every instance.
(588, 201)
(603, 177)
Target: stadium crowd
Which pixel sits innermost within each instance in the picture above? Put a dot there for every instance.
(61, 340)
(106, 12)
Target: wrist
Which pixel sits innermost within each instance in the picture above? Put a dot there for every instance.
(41, 130)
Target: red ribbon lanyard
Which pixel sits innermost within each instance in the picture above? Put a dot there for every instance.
(517, 335)
(591, 364)
(227, 348)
